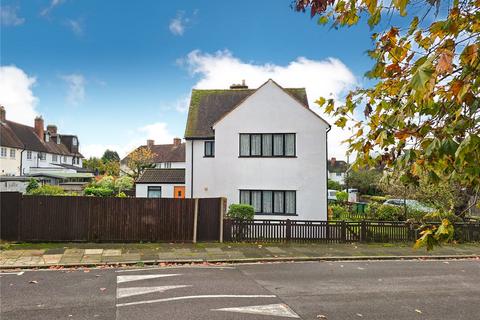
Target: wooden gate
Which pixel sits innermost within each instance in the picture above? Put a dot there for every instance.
(10, 203)
(210, 219)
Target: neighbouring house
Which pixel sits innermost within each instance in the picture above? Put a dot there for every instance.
(337, 170)
(38, 151)
(165, 156)
(263, 147)
(161, 183)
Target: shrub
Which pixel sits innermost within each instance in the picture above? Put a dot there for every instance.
(342, 196)
(98, 192)
(32, 184)
(339, 212)
(385, 212)
(241, 211)
(121, 195)
(48, 190)
(378, 199)
(124, 183)
(333, 185)
(106, 182)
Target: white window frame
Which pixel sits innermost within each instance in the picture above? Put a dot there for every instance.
(3, 152)
(13, 152)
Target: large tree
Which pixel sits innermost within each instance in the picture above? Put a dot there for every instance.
(138, 160)
(110, 155)
(421, 117)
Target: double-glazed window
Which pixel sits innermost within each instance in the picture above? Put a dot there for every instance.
(12, 153)
(54, 158)
(275, 202)
(267, 145)
(3, 152)
(42, 156)
(209, 148)
(29, 155)
(154, 192)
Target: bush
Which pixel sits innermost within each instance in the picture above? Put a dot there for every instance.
(98, 192)
(339, 212)
(32, 184)
(333, 185)
(241, 211)
(107, 182)
(124, 183)
(121, 195)
(49, 190)
(378, 199)
(385, 212)
(342, 196)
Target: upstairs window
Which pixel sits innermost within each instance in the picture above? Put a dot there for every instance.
(42, 156)
(267, 145)
(74, 141)
(3, 152)
(54, 158)
(12, 153)
(209, 148)
(29, 155)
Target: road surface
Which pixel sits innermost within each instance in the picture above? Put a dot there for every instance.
(313, 290)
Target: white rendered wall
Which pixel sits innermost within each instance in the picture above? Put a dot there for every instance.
(141, 189)
(10, 166)
(269, 110)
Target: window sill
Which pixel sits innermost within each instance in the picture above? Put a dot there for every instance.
(277, 214)
(209, 156)
(268, 157)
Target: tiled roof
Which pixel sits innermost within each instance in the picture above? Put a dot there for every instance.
(16, 135)
(162, 176)
(165, 153)
(209, 106)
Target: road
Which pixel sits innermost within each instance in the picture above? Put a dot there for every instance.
(313, 290)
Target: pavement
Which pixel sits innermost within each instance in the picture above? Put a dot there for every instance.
(28, 255)
(394, 289)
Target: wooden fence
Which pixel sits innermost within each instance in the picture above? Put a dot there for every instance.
(334, 231)
(72, 218)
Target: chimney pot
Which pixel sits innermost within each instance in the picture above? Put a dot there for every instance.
(243, 85)
(333, 161)
(3, 116)
(150, 143)
(177, 141)
(39, 128)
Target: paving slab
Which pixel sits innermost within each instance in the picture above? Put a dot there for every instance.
(112, 252)
(93, 251)
(52, 258)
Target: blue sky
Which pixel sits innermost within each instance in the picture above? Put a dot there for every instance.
(118, 72)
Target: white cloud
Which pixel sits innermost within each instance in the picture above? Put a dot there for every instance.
(178, 24)
(16, 95)
(76, 26)
(9, 16)
(158, 132)
(328, 78)
(54, 3)
(76, 88)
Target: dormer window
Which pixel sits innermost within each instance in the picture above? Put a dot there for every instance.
(58, 139)
(47, 137)
(75, 141)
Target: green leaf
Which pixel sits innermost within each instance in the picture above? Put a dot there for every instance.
(422, 75)
(401, 5)
(341, 122)
(323, 20)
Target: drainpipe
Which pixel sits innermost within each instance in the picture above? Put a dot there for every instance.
(326, 166)
(21, 161)
(191, 174)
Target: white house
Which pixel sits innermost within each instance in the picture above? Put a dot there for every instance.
(337, 170)
(161, 183)
(25, 149)
(264, 147)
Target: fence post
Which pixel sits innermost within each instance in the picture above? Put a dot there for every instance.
(288, 230)
(195, 219)
(344, 231)
(363, 231)
(222, 216)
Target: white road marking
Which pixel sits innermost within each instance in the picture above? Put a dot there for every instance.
(278, 310)
(122, 279)
(197, 297)
(135, 291)
(176, 267)
(17, 273)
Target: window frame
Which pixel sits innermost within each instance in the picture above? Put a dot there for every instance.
(154, 188)
(2, 153)
(212, 148)
(54, 158)
(272, 155)
(42, 156)
(274, 212)
(29, 155)
(14, 153)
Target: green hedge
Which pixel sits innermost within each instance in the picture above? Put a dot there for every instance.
(241, 211)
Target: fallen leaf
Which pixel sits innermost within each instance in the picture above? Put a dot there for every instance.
(418, 311)
(321, 316)
(360, 315)
(33, 281)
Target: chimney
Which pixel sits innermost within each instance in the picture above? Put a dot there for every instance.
(333, 161)
(3, 116)
(239, 86)
(39, 127)
(177, 141)
(150, 143)
(52, 129)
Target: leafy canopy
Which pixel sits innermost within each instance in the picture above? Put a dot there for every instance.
(422, 115)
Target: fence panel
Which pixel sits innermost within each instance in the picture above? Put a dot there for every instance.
(208, 223)
(10, 203)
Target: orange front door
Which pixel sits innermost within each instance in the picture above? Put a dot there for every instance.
(179, 192)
